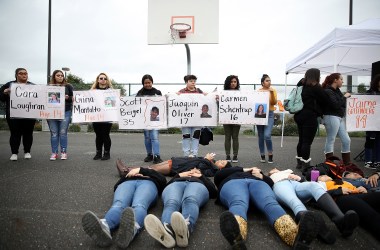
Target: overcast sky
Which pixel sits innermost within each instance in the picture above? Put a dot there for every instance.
(93, 36)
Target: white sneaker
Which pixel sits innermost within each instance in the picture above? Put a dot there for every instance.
(63, 156)
(97, 229)
(155, 229)
(180, 228)
(13, 157)
(27, 156)
(53, 156)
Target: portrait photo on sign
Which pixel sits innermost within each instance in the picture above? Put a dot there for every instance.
(109, 102)
(154, 114)
(54, 97)
(260, 110)
(205, 111)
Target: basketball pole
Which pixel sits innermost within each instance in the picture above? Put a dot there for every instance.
(188, 59)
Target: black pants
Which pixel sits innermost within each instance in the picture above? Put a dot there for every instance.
(21, 128)
(102, 131)
(307, 124)
(367, 206)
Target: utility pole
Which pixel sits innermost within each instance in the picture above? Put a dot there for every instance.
(49, 44)
(349, 77)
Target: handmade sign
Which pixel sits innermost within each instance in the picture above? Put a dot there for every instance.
(362, 113)
(37, 101)
(237, 107)
(96, 106)
(142, 112)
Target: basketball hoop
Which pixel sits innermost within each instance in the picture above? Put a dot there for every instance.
(179, 30)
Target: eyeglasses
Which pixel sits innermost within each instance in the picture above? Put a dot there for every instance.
(59, 75)
(102, 78)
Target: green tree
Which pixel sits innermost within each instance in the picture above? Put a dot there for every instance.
(118, 86)
(77, 82)
(362, 88)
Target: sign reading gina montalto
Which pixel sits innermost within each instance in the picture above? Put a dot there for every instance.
(96, 106)
(37, 101)
(142, 112)
(238, 107)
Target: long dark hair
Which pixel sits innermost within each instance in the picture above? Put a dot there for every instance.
(312, 77)
(330, 80)
(146, 77)
(227, 82)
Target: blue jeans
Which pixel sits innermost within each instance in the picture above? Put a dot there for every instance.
(138, 194)
(185, 196)
(294, 194)
(152, 144)
(190, 140)
(336, 125)
(236, 195)
(58, 132)
(264, 132)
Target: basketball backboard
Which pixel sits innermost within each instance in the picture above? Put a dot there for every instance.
(201, 17)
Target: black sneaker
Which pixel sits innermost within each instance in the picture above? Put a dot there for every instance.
(369, 165)
(228, 158)
(156, 159)
(126, 231)
(148, 158)
(231, 230)
(96, 229)
(262, 158)
(235, 159)
(270, 159)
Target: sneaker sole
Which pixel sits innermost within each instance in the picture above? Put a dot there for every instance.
(180, 229)
(91, 225)
(231, 230)
(351, 221)
(155, 229)
(262, 161)
(307, 231)
(126, 230)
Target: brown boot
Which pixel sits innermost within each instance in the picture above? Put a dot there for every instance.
(346, 157)
(328, 155)
(299, 237)
(121, 168)
(234, 229)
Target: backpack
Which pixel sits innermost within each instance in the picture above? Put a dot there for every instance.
(294, 102)
(206, 136)
(337, 167)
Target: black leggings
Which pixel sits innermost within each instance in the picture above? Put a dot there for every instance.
(307, 124)
(102, 131)
(367, 206)
(21, 128)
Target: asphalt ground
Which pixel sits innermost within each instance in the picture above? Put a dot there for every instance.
(42, 202)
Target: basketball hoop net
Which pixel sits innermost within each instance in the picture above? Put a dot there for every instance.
(179, 30)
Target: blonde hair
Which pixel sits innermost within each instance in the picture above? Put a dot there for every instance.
(96, 83)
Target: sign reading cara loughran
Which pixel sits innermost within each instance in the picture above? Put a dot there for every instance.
(37, 101)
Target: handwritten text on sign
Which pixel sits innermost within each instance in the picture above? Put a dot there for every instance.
(236, 107)
(363, 113)
(36, 101)
(96, 106)
(192, 110)
(142, 112)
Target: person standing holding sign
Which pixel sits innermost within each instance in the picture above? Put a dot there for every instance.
(264, 132)
(19, 127)
(152, 143)
(58, 128)
(231, 131)
(190, 135)
(102, 129)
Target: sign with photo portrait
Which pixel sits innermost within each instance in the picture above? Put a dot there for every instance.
(96, 106)
(142, 112)
(37, 101)
(192, 110)
(248, 107)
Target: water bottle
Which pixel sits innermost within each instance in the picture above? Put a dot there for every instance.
(314, 175)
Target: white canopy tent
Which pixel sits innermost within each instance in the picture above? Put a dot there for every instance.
(350, 51)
